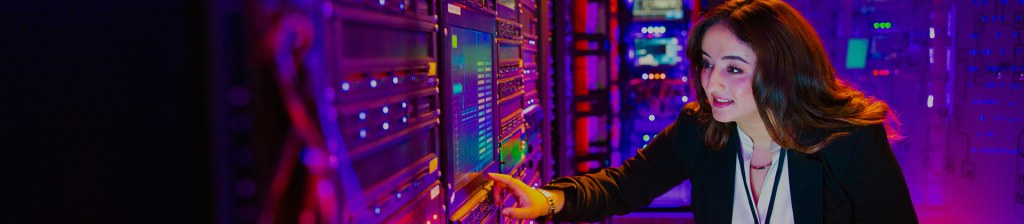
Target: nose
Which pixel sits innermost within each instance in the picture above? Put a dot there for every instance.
(713, 81)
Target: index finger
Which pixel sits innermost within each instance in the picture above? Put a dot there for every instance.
(515, 185)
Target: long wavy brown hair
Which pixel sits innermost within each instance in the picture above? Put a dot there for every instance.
(802, 101)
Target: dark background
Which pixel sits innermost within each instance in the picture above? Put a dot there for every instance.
(105, 112)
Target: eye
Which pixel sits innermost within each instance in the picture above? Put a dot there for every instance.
(734, 70)
(704, 64)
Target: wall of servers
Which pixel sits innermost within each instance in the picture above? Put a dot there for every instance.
(978, 141)
(404, 105)
(654, 80)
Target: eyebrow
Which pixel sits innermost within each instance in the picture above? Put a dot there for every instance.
(730, 57)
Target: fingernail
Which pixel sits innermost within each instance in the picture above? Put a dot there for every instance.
(505, 213)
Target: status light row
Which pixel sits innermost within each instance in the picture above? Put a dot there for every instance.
(653, 76)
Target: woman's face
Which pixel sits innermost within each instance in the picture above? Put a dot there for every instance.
(727, 73)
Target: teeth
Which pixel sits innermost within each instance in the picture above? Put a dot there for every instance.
(722, 101)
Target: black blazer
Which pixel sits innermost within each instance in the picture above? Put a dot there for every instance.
(855, 179)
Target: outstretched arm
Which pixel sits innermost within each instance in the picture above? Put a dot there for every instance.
(663, 164)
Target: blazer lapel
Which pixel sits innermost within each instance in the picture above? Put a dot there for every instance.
(805, 186)
(722, 180)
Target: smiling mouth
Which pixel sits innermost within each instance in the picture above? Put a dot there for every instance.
(719, 102)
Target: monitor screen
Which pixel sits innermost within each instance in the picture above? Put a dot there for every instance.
(472, 90)
(510, 4)
(657, 51)
(666, 9)
(856, 53)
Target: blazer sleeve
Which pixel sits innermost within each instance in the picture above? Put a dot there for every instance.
(664, 163)
(876, 183)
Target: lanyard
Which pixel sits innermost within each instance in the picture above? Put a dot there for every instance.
(775, 186)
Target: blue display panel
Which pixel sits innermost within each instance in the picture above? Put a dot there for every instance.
(657, 51)
(856, 53)
(657, 9)
(472, 56)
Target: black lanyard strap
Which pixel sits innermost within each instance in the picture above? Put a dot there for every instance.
(775, 186)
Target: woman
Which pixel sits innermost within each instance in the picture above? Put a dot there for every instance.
(775, 137)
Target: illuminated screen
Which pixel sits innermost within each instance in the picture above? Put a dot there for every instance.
(657, 51)
(508, 51)
(510, 4)
(856, 53)
(669, 9)
(471, 102)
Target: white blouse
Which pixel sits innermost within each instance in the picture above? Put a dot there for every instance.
(783, 209)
